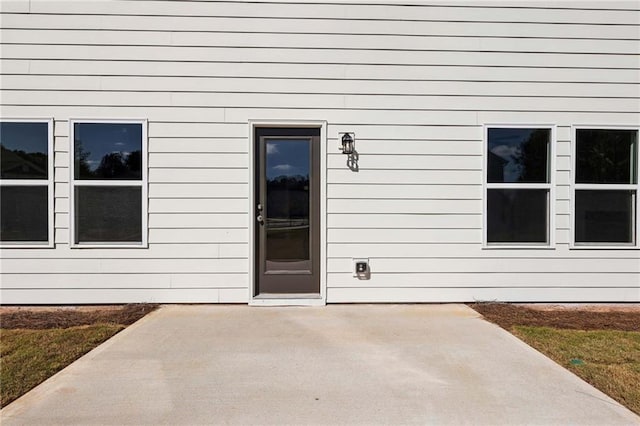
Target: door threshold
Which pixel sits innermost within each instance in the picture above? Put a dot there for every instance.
(287, 299)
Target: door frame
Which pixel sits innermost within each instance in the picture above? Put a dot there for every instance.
(284, 299)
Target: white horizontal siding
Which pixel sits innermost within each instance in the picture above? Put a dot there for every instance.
(451, 205)
(483, 280)
(415, 83)
(125, 266)
(408, 72)
(426, 250)
(487, 265)
(203, 25)
(349, 49)
(401, 191)
(329, 101)
(400, 221)
(201, 220)
(198, 205)
(187, 236)
(506, 292)
(168, 117)
(67, 295)
(197, 190)
(156, 251)
(204, 175)
(198, 161)
(392, 236)
(206, 145)
(338, 11)
(139, 280)
(333, 86)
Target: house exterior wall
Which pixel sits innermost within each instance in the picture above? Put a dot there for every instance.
(417, 84)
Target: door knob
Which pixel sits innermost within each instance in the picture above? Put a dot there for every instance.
(260, 219)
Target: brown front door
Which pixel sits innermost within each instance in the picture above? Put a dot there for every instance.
(287, 208)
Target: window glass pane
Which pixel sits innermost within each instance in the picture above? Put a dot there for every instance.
(24, 213)
(25, 150)
(517, 216)
(605, 216)
(108, 151)
(606, 156)
(108, 214)
(518, 155)
(287, 210)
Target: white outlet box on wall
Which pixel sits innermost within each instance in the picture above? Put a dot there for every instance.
(360, 267)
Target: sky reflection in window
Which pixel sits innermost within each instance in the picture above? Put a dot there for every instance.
(108, 151)
(518, 155)
(289, 157)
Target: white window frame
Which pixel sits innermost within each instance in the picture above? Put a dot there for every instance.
(49, 182)
(143, 184)
(603, 187)
(550, 187)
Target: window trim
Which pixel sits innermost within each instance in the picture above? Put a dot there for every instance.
(143, 184)
(549, 186)
(573, 187)
(49, 182)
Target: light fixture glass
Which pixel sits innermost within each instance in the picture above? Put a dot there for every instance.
(348, 144)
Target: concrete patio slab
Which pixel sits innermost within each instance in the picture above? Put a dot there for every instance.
(339, 364)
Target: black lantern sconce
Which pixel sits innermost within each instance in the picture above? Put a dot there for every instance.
(348, 143)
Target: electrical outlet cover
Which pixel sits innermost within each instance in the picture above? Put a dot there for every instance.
(359, 260)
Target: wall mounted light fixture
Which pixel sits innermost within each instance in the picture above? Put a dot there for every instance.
(348, 143)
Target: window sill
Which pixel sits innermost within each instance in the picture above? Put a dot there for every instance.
(110, 246)
(27, 245)
(603, 247)
(518, 247)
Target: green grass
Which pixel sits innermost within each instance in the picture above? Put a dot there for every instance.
(28, 357)
(608, 359)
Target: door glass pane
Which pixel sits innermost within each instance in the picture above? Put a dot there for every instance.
(24, 213)
(517, 215)
(518, 155)
(604, 216)
(606, 156)
(25, 150)
(108, 151)
(108, 213)
(287, 204)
